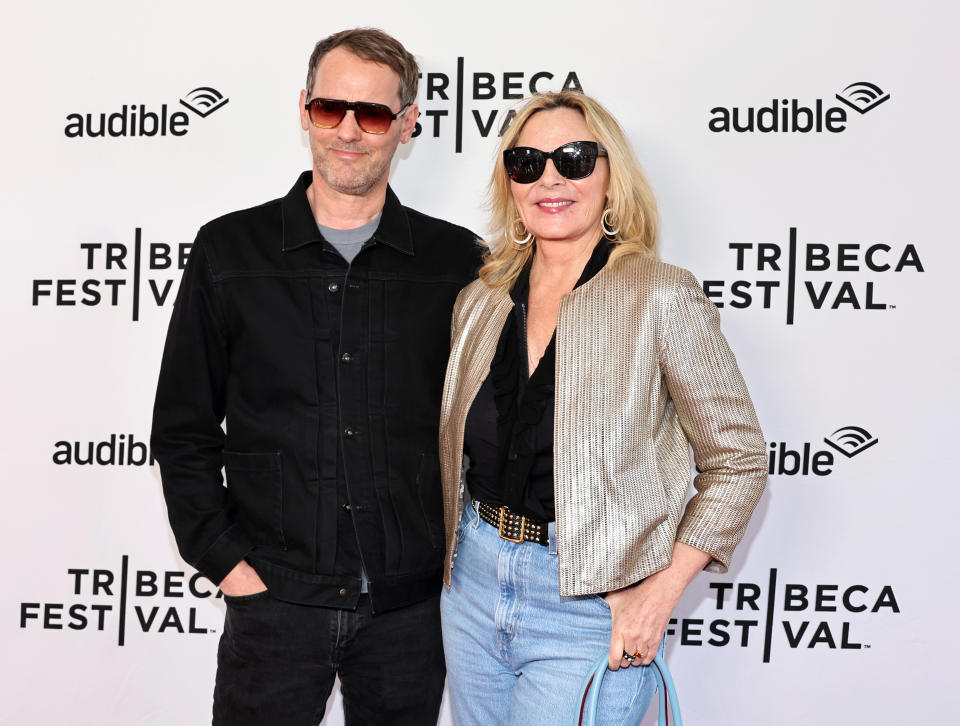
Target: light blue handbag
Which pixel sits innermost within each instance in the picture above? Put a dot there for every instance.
(666, 691)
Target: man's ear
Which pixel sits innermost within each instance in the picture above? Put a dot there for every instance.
(409, 118)
(304, 117)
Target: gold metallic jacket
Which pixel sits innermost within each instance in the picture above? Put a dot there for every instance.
(642, 373)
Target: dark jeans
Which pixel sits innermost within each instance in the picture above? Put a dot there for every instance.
(277, 662)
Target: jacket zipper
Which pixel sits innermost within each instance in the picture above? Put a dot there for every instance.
(526, 353)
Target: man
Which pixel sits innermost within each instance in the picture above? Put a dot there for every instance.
(317, 328)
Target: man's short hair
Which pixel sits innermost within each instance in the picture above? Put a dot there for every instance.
(374, 45)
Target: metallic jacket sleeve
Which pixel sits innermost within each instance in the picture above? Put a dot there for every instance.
(717, 416)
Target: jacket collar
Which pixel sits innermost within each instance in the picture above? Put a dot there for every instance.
(300, 227)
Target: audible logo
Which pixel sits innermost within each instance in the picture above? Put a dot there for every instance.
(862, 96)
(804, 459)
(819, 616)
(116, 450)
(204, 100)
(851, 440)
(788, 115)
(137, 120)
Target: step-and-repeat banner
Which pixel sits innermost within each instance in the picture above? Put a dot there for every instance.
(805, 159)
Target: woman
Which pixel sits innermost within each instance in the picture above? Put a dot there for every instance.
(581, 371)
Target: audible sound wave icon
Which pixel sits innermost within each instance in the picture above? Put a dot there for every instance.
(204, 100)
(851, 440)
(862, 96)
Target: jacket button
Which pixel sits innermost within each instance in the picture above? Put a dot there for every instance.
(343, 592)
(346, 358)
(349, 432)
(333, 286)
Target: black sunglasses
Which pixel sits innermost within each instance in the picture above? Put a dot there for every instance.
(575, 160)
(372, 118)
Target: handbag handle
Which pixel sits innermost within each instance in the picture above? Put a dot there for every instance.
(666, 692)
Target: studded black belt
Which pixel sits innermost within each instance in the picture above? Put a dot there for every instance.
(514, 527)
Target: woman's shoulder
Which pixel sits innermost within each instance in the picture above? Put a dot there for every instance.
(475, 290)
(477, 295)
(648, 271)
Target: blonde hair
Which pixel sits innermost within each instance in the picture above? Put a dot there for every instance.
(630, 197)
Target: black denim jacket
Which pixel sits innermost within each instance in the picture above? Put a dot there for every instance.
(328, 377)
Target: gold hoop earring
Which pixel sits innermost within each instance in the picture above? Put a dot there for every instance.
(609, 231)
(514, 236)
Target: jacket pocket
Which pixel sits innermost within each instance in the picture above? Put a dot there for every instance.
(237, 599)
(430, 496)
(255, 487)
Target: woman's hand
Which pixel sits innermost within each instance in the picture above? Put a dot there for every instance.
(640, 613)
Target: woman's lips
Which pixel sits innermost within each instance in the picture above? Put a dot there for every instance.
(553, 206)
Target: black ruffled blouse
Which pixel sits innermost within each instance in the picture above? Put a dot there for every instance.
(508, 435)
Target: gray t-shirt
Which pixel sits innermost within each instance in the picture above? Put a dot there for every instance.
(350, 241)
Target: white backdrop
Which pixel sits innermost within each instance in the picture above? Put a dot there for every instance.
(100, 623)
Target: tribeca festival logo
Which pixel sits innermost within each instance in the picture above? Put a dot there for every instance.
(823, 264)
(809, 459)
(821, 616)
(139, 120)
(485, 93)
(121, 601)
(117, 273)
(788, 115)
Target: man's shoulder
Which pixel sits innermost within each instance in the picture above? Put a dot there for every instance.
(269, 213)
(424, 226)
(437, 239)
(424, 221)
(244, 239)
(245, 219)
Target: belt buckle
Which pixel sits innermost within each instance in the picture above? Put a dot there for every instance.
(523, 525)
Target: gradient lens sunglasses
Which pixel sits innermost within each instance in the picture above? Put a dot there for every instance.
(575, 160)
(372, 118)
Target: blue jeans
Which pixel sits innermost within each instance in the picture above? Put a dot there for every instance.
(516, 651)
